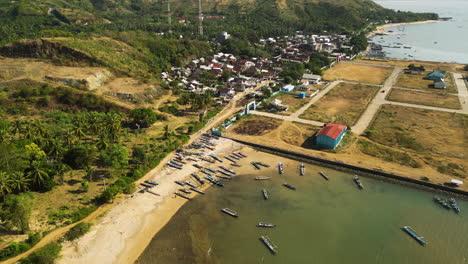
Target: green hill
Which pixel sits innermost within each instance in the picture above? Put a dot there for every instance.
(248, 19)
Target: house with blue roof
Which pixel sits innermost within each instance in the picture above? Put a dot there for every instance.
(435, 75)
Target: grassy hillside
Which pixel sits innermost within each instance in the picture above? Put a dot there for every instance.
(242, 18)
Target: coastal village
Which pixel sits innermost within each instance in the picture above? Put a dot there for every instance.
(260, 146)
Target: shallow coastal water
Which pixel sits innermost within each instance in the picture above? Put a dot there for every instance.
(444, 41)
(322, 222)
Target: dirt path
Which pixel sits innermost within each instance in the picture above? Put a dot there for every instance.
(57, 234)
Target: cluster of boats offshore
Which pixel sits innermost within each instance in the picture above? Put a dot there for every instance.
(448, 204)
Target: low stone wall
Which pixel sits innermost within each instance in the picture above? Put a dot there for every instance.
(354, 169)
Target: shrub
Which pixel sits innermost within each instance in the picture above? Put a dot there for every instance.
(77, 231)
(82, 213)
(13, 249)
(45, 255)
(80, 156)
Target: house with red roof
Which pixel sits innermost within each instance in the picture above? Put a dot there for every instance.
(330, 135)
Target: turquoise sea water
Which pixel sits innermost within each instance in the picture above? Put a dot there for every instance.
(322, 222)
(443, 41)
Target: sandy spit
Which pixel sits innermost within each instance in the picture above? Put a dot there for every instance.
(382, 29)
(126, 230)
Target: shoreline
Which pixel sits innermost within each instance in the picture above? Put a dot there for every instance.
(382, 28)
(126, 230)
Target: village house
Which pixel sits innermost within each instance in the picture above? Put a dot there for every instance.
(311, 78)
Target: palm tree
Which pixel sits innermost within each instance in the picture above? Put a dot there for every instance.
(19, 182)
(55, 148)
(69, 138)
(102, 143)
(36, 174)
(78, 131)
(5, 184)
(17, 127)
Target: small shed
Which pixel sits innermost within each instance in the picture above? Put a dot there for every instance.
(330, 135)
(440, 84)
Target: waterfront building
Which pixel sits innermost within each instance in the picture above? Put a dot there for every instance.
(330, 135)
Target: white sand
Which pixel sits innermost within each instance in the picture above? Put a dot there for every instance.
(123, 234)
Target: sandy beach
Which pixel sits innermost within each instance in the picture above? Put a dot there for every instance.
(124, 232)
(383, 28)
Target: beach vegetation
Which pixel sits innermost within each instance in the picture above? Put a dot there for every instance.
(45, 255)
(77, 231)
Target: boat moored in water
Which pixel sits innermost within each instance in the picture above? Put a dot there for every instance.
(258, 178)
(280, 168)
(324, 175)
(267, 241)
(230, 212)
(454, 205)
(301, 169)
(289, 186)
(265, 194)
(414, 235)
(265, 224)
(358, 182)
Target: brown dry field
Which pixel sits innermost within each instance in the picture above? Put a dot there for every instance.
(438, 137)
(418, 82)
(351, 154)
(357, 73)
(428, 64)
(343, 104)
(424, 98)
(256, 126)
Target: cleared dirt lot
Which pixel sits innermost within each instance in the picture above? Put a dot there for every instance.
(357, 73)
(424, 98)
(419, 82)
(428, 64)
(343, 104)
(256, 125)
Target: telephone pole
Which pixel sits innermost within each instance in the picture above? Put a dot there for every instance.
(200, 17)
(169, 20)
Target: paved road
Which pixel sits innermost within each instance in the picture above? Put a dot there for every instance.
(315, 99)
(366, 117)
(462, 91)
(288, 118)
(368, 64)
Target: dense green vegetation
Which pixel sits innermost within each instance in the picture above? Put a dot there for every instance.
(45, 255)
(248, 21)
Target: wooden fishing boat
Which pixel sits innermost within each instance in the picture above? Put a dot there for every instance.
(324, 176)
(182, 195)
(197, 191)
(230, 212)
(289, 186)
(358, 182)
(265, 224)
(265, 194)
(267, 241)
(259, 178)
(414, 235)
